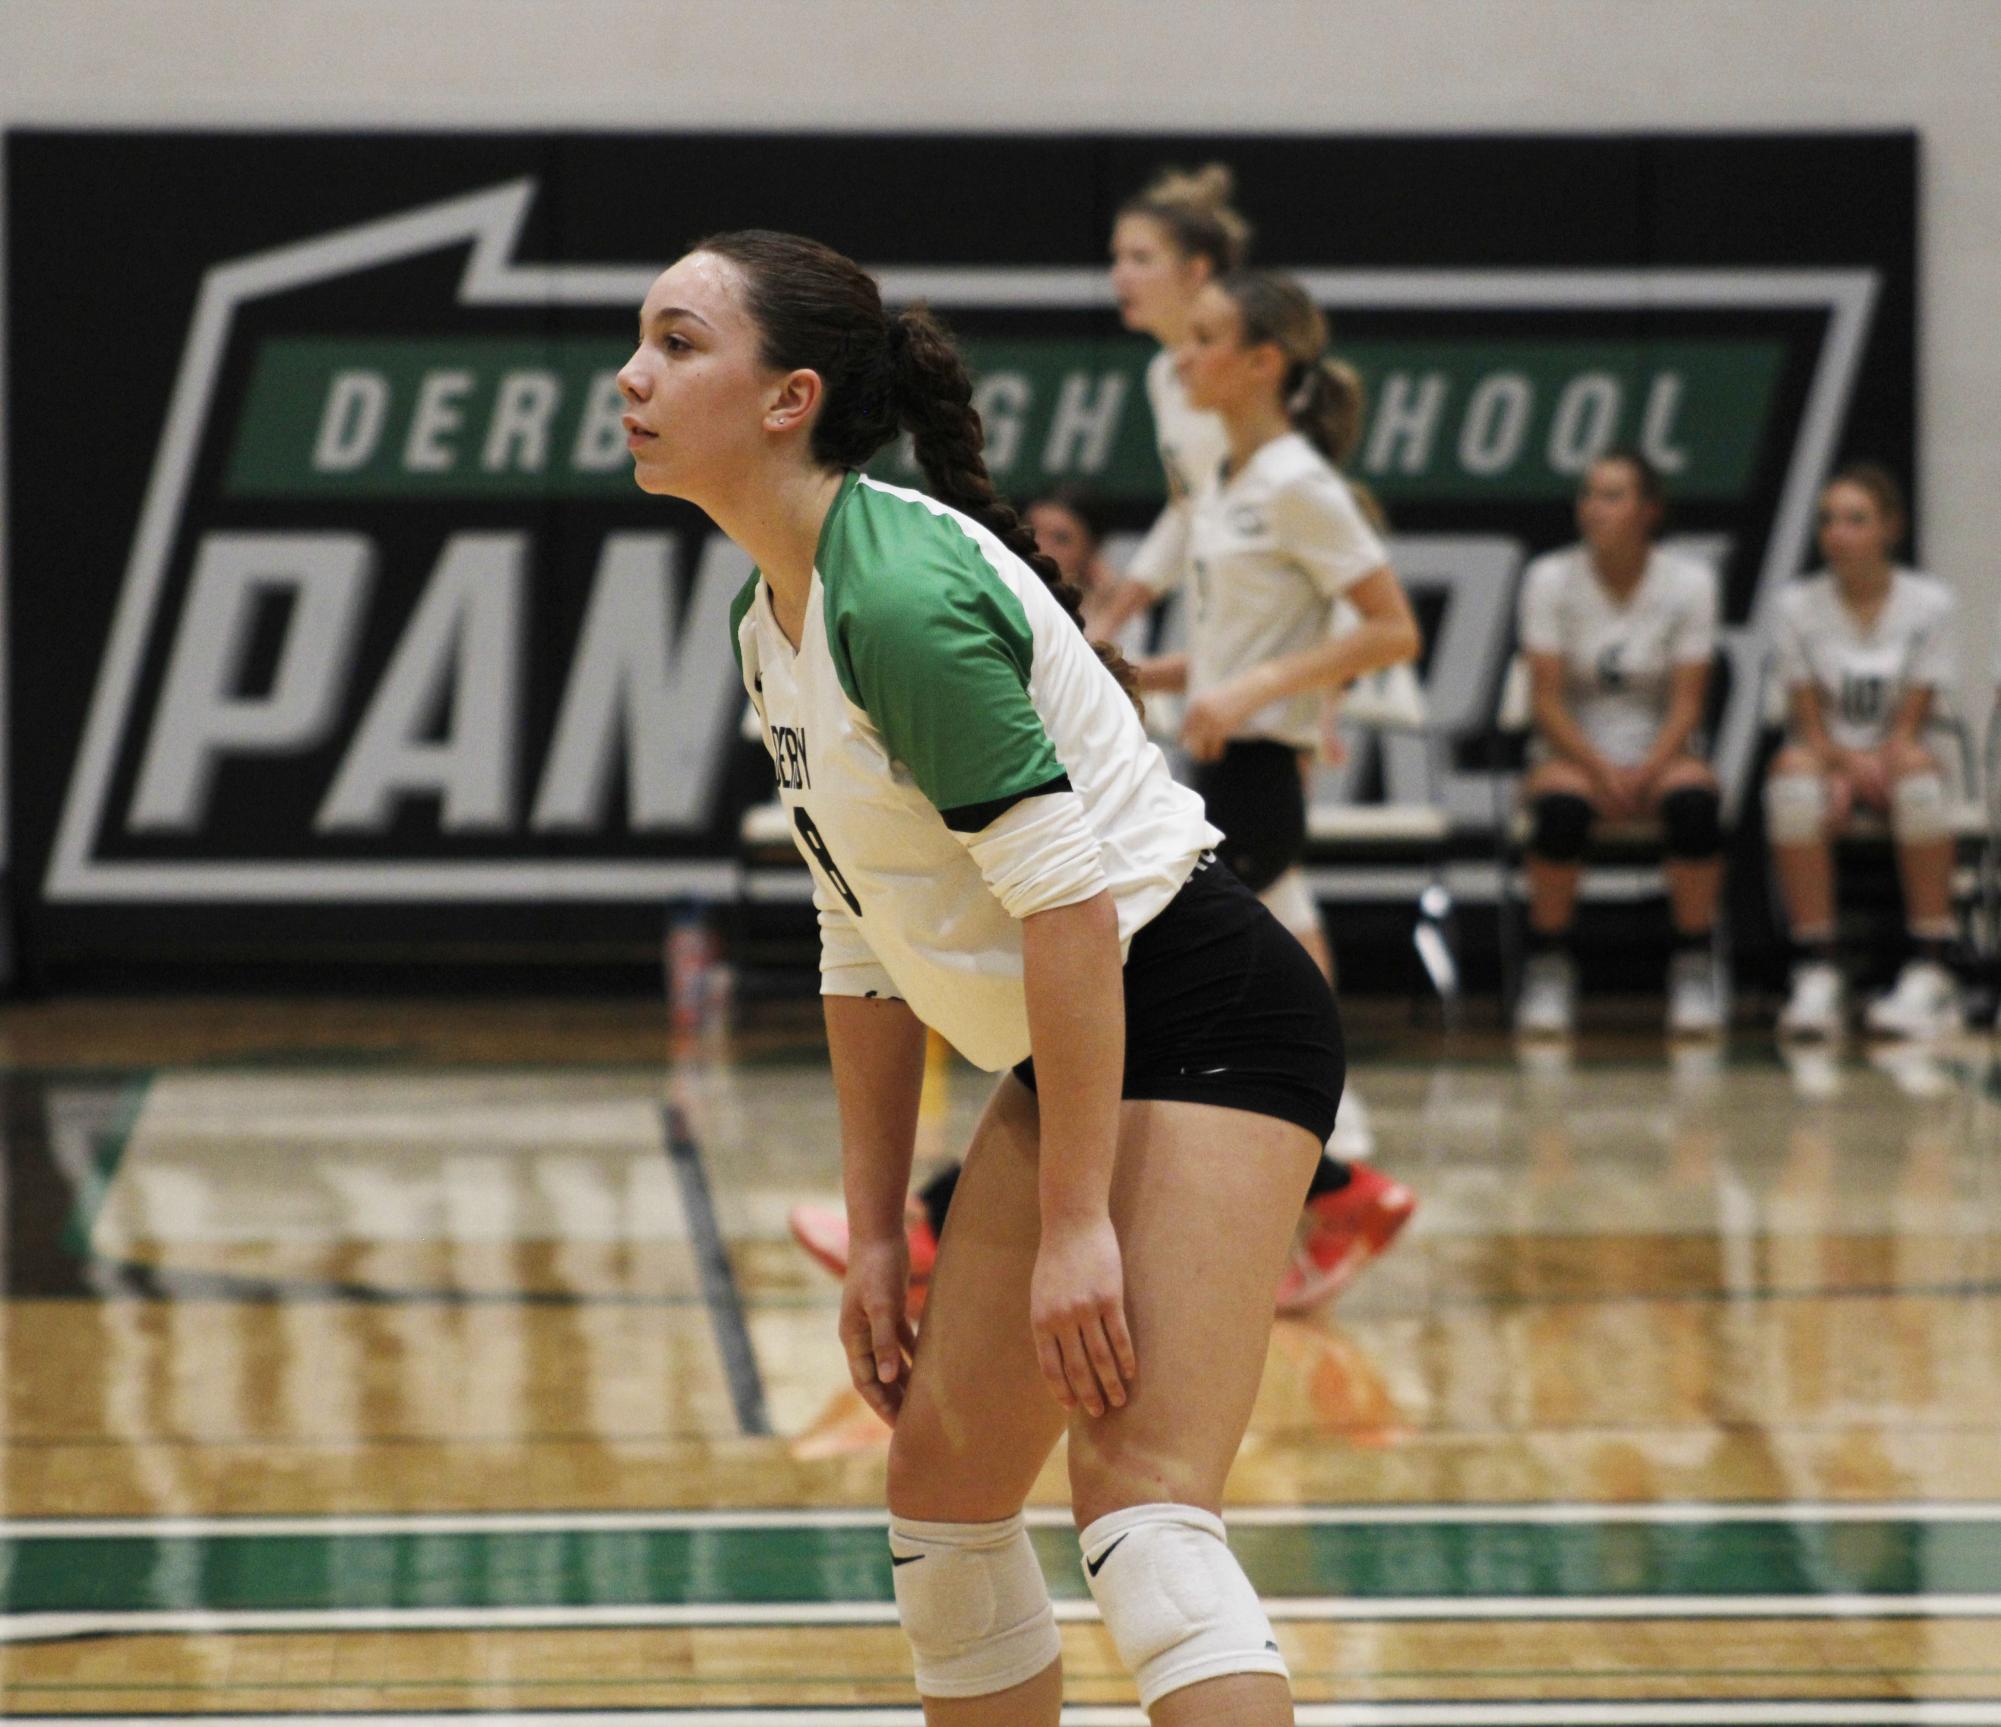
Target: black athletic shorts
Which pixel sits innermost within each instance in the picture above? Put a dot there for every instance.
(1224, 1006)
(1256, 795)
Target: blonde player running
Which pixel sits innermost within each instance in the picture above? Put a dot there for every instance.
(998, 850)
(1170, 241)
(1619, 638)
(1863, 650)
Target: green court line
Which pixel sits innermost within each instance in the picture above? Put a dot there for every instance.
(1457, 1559)
(853, 1676)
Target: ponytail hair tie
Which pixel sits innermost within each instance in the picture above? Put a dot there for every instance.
(1301, 396)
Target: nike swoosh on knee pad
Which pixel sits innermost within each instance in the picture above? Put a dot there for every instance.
(1094, 1566)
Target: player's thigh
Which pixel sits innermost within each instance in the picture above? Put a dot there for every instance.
(1556, 777)
(978, 1422)
(1205, 1200)
(1903, 757)
(1684, 774)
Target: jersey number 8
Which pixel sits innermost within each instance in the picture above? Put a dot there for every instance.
(810, 836)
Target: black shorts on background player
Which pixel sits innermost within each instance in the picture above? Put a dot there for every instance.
(1257, 796)
(1223, 1006)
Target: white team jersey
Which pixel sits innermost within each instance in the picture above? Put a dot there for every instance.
(1270, 551)
(1619, 656)
(1192, 448)
(1863, 675)
(938, 695)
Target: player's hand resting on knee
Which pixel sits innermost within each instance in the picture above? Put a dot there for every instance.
(1077, 1311)
(876, 1334)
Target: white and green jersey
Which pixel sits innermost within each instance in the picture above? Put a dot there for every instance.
(1619, 656)
(1271, 550)
(1192, 446)
(1864, 674)
(953, 757)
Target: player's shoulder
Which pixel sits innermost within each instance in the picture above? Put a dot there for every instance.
(1807, 598)
(1929, 594)
(1297, 482)
(905, 576)
(1685, 578)
(1552, 572)
(887, 547)
(1291, 464)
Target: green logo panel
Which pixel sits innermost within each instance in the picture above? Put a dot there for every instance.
(485, 417)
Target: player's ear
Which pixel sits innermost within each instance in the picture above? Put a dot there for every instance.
(793, 401)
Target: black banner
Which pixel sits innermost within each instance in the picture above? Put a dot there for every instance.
(337, 629)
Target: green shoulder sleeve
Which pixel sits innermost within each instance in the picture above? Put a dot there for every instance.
(934, 646)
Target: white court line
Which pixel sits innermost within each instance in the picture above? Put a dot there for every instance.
(1546, 1713)
(1564, 1514)
(1371, 1610)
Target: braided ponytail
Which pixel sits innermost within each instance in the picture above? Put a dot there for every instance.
(933, 397)
(819, 311)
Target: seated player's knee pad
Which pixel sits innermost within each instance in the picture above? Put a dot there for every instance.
(1917, 809)
(1795, 809)
(1561, 827)
(1176, 1602)
(1692, 822)
(973, 1604)
(1288, 901)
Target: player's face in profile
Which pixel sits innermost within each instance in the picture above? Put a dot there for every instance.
(695, 388)
(1150, 279)
(1853, 531)
(1215, 367)
(1612, 512)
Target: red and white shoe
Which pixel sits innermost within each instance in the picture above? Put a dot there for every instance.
(822, 1230)
(1339, 1234)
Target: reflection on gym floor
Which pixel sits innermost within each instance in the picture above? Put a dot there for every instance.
(488, 1378)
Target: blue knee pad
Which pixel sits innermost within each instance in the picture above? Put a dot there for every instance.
(1692, 822)
(1561, 827)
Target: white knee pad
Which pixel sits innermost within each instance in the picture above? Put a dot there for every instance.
(1917, 809)
(973, 1604)
(1288, 901)
(1795, 809)
(1175, 1600)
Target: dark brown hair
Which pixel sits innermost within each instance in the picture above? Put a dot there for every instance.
(818, 311)
(1647, 479)
(1883, 491)
(1193, 205)
(1078, 501)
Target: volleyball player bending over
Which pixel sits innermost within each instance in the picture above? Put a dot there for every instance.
(997, 850)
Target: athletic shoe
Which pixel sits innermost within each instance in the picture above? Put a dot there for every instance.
(1695, 1004)
(1815, 1007)
(1339, 1233)
(1548, 1007)
(1815, 1070)
(1915, 1069)
(1925, 1003)
(822, 1230)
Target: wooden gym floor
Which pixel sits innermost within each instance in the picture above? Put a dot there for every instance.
(445, 1359)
